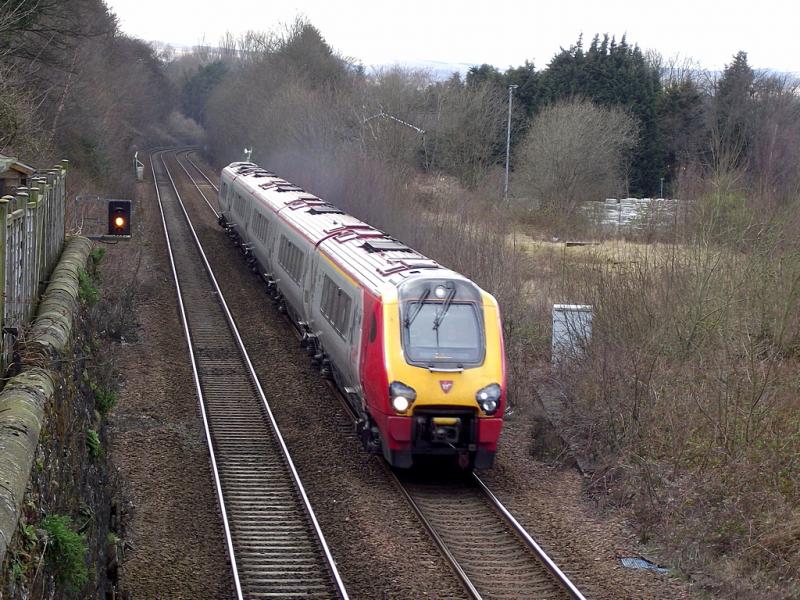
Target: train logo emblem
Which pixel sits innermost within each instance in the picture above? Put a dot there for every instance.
(446, 386)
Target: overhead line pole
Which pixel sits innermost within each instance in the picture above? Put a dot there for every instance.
(511, 89)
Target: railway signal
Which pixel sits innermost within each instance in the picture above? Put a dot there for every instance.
(119, 218)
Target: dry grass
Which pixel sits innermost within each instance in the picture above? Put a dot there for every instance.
(687, 400)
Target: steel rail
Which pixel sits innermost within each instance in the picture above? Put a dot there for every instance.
(251, 370)
(180, 164)
(529, 541)
(199, 170)
(329, 560)
(440, 543)
(493, 501)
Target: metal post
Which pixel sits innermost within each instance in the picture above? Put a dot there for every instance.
(511, 89)
(662, 188)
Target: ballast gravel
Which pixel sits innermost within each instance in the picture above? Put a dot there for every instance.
(172, 534)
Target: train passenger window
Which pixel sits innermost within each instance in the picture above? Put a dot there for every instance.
(238, 205)
(335, 306)
(290, 258)
(260, 227)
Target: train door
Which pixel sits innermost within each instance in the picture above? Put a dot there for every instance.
(309, 287)
(223, 196)
(339, 312)
(260, 230)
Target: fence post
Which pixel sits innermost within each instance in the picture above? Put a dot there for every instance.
(44, 206)
(21, 197)
(52, 186)
(33, 204)
(5, 202)
(21, 243)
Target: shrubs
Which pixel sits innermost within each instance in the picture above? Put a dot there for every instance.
(88, 291)
(104, 399)
(687, 398)
(66, 551)
(93, 443)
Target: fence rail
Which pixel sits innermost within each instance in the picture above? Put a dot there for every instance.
(30, 244)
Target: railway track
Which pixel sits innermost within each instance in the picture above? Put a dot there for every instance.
(494, 557)
(275, 546)
(490, 552)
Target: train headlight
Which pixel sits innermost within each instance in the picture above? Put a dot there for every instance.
(489, 398)
(402, 396)
(400, 403)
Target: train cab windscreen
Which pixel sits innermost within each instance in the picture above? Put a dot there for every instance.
(442, 324)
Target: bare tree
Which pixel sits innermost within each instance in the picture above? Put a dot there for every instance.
(468, 129)
(393, 115)
(574, 151)
(775, 150)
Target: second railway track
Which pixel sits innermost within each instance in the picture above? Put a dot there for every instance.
(275, 545)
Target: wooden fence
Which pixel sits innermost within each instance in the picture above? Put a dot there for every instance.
(30, 245)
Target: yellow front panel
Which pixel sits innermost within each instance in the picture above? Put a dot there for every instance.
(427, 384)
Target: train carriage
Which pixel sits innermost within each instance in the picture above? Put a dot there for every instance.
(416, 348)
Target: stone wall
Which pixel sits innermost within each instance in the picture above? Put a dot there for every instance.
(46, 465)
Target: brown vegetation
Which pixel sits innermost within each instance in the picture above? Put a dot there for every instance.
(72, 86)
(553, 167)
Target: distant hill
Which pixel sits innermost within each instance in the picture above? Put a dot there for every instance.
(439, 70)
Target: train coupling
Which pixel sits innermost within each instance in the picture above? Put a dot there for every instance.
(445, 430)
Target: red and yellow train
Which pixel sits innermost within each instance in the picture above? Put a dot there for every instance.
(416, 349)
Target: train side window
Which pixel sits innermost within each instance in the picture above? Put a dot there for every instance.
(335, 306)
(373, 328)
(261, 227)
(290, 258)
(328, 297)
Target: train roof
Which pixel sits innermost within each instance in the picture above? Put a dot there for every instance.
(365, 253)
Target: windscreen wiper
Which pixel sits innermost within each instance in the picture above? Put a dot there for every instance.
(416, 310)
(445, 307)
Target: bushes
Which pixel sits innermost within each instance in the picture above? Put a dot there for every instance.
(93, 443)
(104, 399)
(66, 551)
(687, 399)
(88, 291)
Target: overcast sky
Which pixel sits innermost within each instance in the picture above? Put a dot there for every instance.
(500, 32)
